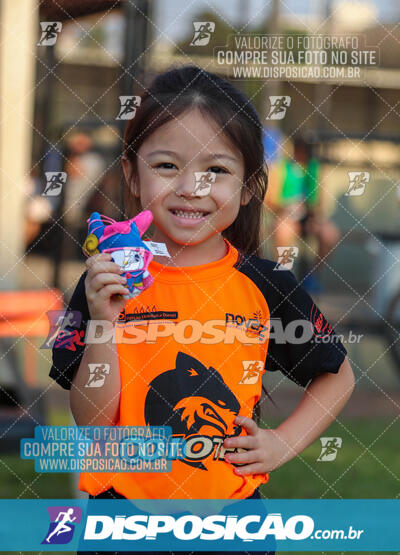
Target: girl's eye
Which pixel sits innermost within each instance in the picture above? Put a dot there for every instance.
(164, 164)
(216, 168)
(170, 166)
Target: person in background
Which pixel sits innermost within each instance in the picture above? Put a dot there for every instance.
(296, 198)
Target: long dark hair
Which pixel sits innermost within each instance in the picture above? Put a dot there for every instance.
(173, 92)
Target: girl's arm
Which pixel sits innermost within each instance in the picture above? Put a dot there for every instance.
(268, 449)
(97, 406)
(322, 401)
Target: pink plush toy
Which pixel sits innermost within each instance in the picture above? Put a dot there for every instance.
(123, 240)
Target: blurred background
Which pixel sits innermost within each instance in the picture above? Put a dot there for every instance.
(334, 195)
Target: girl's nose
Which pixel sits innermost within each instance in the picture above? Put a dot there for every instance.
(185, 186)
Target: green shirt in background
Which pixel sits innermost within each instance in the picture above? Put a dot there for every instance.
(299, 183)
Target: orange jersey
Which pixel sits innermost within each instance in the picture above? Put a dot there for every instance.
(192, 352)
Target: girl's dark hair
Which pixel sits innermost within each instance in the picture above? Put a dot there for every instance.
(179, 89)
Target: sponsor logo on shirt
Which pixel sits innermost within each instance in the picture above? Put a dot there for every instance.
(256, 324)
(147, 313)
(320, 326)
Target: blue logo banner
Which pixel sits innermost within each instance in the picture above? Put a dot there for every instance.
(199, 525)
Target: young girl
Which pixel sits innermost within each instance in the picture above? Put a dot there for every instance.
(206, 341)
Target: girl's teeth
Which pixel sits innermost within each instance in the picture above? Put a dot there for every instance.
(187, 214)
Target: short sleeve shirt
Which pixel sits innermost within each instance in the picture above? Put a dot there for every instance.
(192, 352)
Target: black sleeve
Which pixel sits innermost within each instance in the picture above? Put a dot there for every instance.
(308, 344)
(67, 353)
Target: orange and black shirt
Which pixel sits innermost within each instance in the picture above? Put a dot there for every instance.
(193, 349)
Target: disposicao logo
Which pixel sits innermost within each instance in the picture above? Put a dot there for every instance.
(62, 524)
(193, 527)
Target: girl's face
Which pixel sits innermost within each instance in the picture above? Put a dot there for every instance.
(167, 162)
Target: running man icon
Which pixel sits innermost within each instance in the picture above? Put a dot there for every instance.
(62, 527)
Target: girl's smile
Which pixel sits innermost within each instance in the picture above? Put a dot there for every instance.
(188, 216)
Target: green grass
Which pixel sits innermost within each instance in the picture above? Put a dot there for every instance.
(366, 466)
(19, 480)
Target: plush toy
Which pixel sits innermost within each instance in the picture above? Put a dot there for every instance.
(123, 241)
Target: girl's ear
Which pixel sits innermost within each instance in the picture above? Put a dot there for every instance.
(128, 173)
(246, 196)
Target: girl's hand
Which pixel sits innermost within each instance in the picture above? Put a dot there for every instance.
(266, 449)
(103, 285)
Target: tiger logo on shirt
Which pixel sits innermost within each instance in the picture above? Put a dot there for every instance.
(194, 400)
